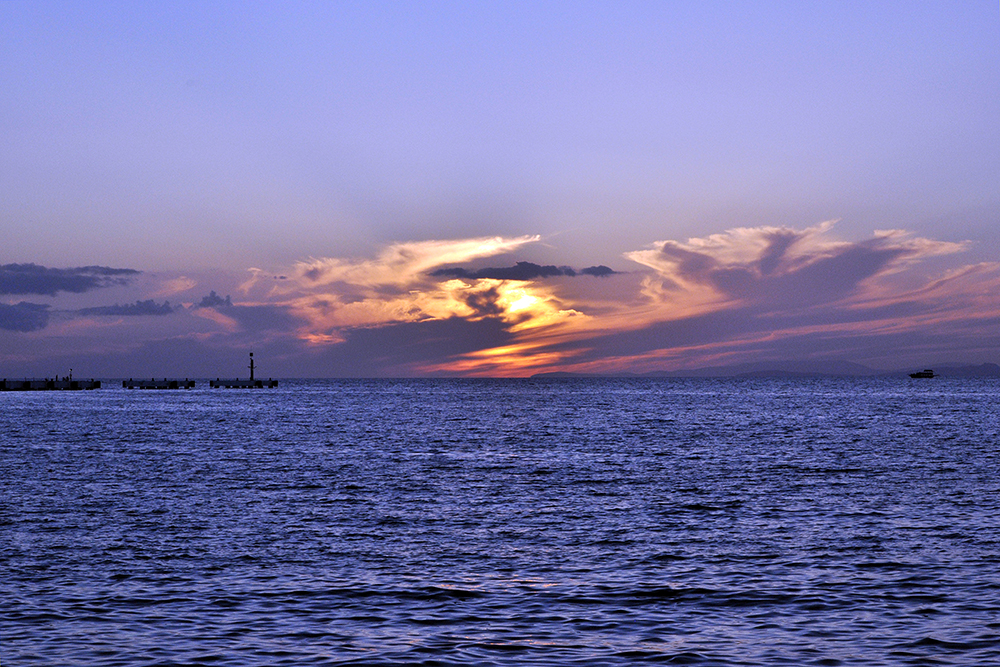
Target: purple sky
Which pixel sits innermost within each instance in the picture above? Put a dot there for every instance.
(382, 190)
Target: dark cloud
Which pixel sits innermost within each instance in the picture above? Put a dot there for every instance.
(837, 276)
(823, 281)
(520, 271)
(779, 243)
(149, 307)
(35, 279)
(24, 316)
(690, 264)
(600, 271)
(213, 300)
(776, 280)
(485, 303)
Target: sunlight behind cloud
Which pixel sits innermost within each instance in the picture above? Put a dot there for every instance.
(331, 294)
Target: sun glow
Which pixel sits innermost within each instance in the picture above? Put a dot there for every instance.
(505, 361)
(522, 302)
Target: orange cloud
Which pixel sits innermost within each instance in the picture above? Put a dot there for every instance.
(334, 294)
(404, 263)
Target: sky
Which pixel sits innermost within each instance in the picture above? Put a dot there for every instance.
(497, 188)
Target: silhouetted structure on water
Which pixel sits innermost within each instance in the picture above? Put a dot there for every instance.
(153, 383)
(66, 383)
(244, 384)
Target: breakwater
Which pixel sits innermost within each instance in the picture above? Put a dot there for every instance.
(48, 384)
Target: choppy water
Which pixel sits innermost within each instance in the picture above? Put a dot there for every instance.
(715, 522)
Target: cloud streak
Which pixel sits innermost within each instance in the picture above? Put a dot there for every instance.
(521, 271)
(24, 316)
(35, 279)
(137, 309)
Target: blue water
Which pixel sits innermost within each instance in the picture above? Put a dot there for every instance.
(505, 522)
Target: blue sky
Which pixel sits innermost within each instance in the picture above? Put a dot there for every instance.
(194, 143)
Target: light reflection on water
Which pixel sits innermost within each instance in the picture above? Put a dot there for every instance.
(723, 522)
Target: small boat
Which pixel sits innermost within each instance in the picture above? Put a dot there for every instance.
(926, 373)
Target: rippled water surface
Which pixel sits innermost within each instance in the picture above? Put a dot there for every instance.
(715, 522)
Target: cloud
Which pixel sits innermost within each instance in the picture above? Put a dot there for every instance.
(333, 295)
(520, 271)
(174, 286)
(138, 308)
(35, 279)
(213, 300)
(485, 303)
(780, 267)
(599, 271)
(329, 313)
(24, 316)
(403, 263)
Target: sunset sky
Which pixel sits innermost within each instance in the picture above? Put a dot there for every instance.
(496, 188)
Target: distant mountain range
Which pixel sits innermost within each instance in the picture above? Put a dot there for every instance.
(830, 368)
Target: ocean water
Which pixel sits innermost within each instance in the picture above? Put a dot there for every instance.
(504, 522)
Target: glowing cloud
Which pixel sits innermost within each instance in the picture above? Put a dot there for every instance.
(332, 294)
(780, 267)
(174, 286)
(404, 263)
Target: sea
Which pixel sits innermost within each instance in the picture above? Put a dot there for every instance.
(738, 521)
